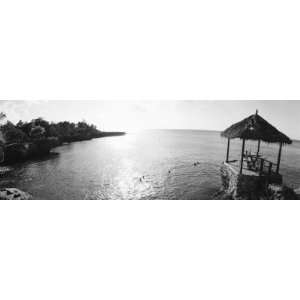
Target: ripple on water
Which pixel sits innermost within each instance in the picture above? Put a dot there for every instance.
(111, 168)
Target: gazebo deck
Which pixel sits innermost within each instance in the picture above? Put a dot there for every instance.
(235, 167)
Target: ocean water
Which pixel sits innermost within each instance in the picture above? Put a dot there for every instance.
(156, 164)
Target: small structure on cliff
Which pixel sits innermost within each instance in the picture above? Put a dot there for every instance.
(249, 176)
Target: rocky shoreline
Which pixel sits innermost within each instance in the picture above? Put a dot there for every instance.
(272, 192)
(17, 152)
(14, 194)
(22, 151)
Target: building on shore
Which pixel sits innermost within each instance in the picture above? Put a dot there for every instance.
(248, 176)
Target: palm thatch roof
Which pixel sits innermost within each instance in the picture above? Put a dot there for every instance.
(256, 128)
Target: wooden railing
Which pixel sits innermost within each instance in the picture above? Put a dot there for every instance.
(259, 164)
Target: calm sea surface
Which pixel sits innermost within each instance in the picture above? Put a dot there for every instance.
(112, 167)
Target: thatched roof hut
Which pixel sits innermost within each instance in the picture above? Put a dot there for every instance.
(256, 128)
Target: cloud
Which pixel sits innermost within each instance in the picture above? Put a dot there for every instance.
(16, 110)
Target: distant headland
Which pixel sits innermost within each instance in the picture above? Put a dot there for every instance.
(27, 140)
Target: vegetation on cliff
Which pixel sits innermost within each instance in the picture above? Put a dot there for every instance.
(37, 137)
(64, 131)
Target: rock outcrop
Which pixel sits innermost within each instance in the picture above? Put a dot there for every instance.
(280, 192)
(237, 186)
(271, 192)
(27, 150)
(13, 194)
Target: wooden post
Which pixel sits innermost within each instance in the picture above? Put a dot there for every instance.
(270, 168)
(227, 154)
(279, 158)
(242, 157)
(261, 168)
(258, 148)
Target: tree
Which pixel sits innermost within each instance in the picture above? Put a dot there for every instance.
(37, 132)
(2, 115)
(12, 134)
(24, 126)
(52, 131)
(41, 122)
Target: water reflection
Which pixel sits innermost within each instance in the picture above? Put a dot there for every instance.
(149, 165)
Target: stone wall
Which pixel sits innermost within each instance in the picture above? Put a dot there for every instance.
(241, 186)
(248, 187)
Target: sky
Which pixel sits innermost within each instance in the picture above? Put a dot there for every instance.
(139, 115)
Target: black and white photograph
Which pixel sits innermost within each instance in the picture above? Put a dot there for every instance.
(149, 150)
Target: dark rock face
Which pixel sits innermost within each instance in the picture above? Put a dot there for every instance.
(281, 192)
(22, 151)
(13, 194)
(15, 152)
